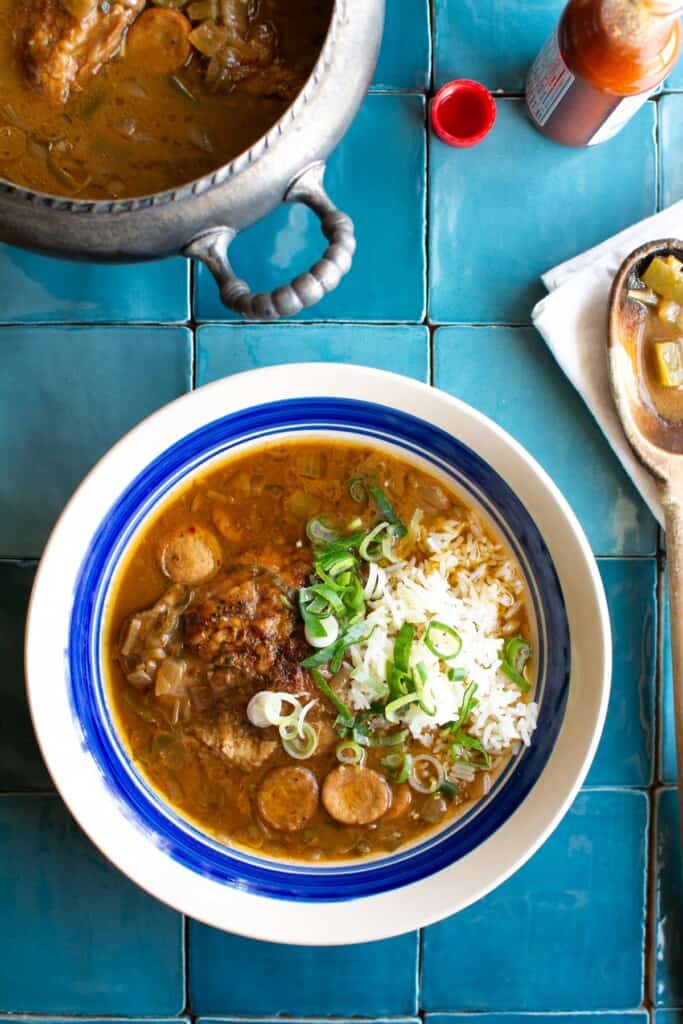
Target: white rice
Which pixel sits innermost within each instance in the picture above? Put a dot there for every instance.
(459, 576)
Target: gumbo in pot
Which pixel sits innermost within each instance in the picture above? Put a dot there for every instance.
(104, 99)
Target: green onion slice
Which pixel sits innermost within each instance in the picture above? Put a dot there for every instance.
(397, 681)
(468, 702)
(517, 652)
(426, 764)
(343, 712)
(442, 640)
(320, 530)
(297, 746)
(374, 544)
(349, 752)
(515, 676)
(469, 742)
(393, 739)
(399, 766)
(402, 647)
(456, 675)
(448, 789)
(386, 510)
(394, 706)
(421, 689)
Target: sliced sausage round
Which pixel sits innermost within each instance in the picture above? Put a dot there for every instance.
(288, 798)
(190, 554)
(355, 796)
(401, 802)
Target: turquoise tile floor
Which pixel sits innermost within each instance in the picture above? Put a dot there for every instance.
(451, 244)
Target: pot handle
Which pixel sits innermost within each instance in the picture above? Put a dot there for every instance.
(211, 247)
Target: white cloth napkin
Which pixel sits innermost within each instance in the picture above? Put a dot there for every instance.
(573, 321)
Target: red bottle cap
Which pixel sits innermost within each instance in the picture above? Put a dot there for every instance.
(463, 112)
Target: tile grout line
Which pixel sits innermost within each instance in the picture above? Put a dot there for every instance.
(649, 964)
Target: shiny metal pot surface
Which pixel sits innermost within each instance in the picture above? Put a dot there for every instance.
(202, 218)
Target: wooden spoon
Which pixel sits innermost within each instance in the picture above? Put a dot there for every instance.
(658, 443)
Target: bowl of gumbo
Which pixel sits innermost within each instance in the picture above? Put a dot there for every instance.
(319, 651)
(305, 636)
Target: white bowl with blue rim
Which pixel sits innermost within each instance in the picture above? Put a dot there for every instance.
(239, 891)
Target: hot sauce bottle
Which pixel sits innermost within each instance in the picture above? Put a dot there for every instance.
(600, 65)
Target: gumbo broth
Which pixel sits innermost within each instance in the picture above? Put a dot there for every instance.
(241, 665)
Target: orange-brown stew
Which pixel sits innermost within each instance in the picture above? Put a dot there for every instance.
(124, 98)
(243, 526)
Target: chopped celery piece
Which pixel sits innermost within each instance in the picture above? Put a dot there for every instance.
(665, 276)
(644, 295)
(669, 358)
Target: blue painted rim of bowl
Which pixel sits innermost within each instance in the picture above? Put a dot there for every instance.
(180, 839)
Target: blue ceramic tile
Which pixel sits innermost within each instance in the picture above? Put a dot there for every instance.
(66, 394)
(39, 289)
(232, 976)
(377, 175)
(625, 754)
(629, 1017)
(222, 350)
(278, 1020)
(405, 55)
(671, 145)
(507, 210)
(668, 1016)
(76, 936)
(576, 912)
(26, 1019)
(667, 940)
(508, 373)
(21, 766)
(667, 770)
(493, 41)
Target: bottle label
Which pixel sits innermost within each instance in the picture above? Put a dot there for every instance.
(623, 112)
(548, 82)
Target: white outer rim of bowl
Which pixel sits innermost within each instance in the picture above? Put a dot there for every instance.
(386, 914)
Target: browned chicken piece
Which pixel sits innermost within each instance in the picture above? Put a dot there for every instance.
(230, 736)
(242, 628)
(68, 41)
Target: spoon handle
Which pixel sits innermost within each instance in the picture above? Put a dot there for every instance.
(673, 510)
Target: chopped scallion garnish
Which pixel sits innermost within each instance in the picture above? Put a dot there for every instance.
(516, 653)
(386, 510)
(421, 689)
(402, 647)
(442, 640)
(343, 712)
(515, 676)
(399, 766)
(321, 531)
(349, 752)
(394, 706)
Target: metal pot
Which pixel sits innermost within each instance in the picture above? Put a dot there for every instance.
(201, 219)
